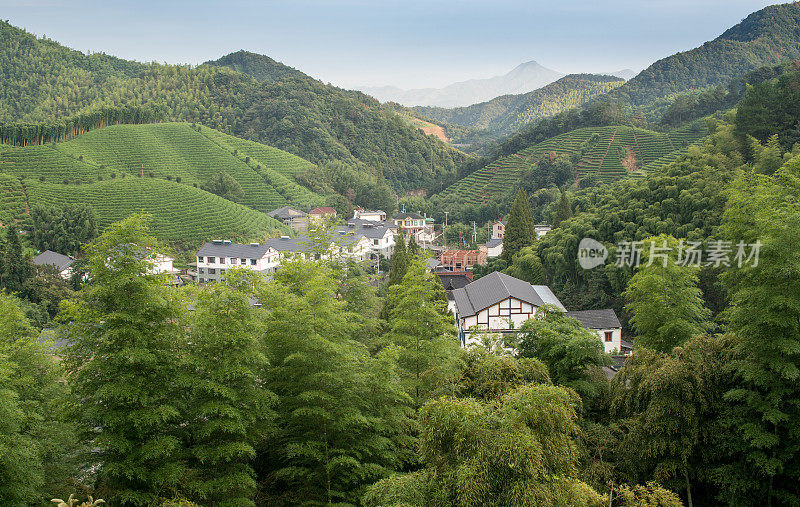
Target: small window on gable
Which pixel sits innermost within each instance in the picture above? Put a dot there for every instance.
(609, 336)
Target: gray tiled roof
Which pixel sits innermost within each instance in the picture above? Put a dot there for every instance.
(49, 257)
(451, 281)
(497, 286)
(302, 243)
(365, 228)
(433, 263)
(410, 214)
(216, 249)
(286, 212)
(597, 319)
(494, 242)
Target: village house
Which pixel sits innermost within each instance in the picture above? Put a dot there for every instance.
(460, 260)
(61, 262)
(498, 304)
(607, 326)
(541, 230)
(372, 216)
(498, 229)
(321, 214)
(294, 218)
(380, 236)
(216, 257)
(452, 280)
(493, 248)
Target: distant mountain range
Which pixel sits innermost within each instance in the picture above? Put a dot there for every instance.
(522, 79)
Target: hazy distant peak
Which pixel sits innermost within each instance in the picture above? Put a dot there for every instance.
(523, 78)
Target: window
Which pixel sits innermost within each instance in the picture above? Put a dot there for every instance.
(244, 261)
(212, 271)
(233, 260)
(375, 241)
(212, 260)
(201, 271)
(609, 336)
(199, 259)
(252, 262)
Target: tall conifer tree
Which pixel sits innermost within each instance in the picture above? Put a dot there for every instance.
(520, 231)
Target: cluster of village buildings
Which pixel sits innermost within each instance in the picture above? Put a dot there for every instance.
(496, 303)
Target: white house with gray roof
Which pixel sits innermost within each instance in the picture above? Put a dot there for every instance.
(61, 262)
(379, 235)
(607, 326)
(498, 303)
(216, 257)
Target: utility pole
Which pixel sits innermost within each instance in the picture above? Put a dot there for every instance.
(474, 234)
(444, 237)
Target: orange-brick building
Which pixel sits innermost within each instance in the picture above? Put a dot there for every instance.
(458, 260)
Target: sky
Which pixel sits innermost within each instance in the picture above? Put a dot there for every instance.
(405, 43)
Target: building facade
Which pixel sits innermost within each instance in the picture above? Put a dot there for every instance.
(216, 257)
(296, 219)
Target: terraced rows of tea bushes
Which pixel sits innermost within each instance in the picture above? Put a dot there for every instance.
(602, 149)
(176, 150)
(181, 214)
(277, 167)
(13, 203)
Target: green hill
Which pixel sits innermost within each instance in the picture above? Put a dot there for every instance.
(158, 168)
(507, 114)
(764, 38)
(610, 153)
(181, 214)
(42, 81)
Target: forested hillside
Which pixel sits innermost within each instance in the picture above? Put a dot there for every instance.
(42, 81)
(765, 37)
(507, 114)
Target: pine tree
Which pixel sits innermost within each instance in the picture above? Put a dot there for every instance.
(520, 231)
(399, 259)
(125, 357)
(228, 407)
(419, 326)
(563, 210)
(413, 247)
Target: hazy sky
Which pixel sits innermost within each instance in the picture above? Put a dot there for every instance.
(407, 43)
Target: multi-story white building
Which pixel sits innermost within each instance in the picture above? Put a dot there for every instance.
(216, 257)
(372, 216)
(381, 237)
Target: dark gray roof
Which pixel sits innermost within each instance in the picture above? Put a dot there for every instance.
(433, 263)
(596, 319)
(404, 215)
(49, 257)
(451, 281)
(224, 249)
(286, 212)
(626, 344)
(365, 228)
(302, 243)
(494, 242)
(496, 287)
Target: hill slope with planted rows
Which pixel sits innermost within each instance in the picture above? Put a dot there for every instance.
(160, 169)
(180, 214)
(610, 153)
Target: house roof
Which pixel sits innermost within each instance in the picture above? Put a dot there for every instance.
(494, 242)
(451, 281)
(225, 249)
(322, 210)
(302, 243)
(496, 287)
(49, 257)
(286, 212)
(596, 319)
(433, 263)
(405, 215)
(366, 228)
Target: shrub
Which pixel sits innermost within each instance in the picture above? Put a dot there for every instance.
(151, 174)
(80, 157)
(66, 181)
(99, 178)
(113, 175)
(41, 178)
(169, 177)
(178, 179)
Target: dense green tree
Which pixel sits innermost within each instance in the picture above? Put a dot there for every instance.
(519, 229)
(16, 266)
(229, 410)
(400, 259)
(664, 302)
(224, 185)
(36, 405)
(520, 450)
(125, 359)
(63, 229)
(342, 415)
(569, 350)
(563, 210)
(527, 266)
(418, 325)
(47, 288)
(763, 315)
(488, 375)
